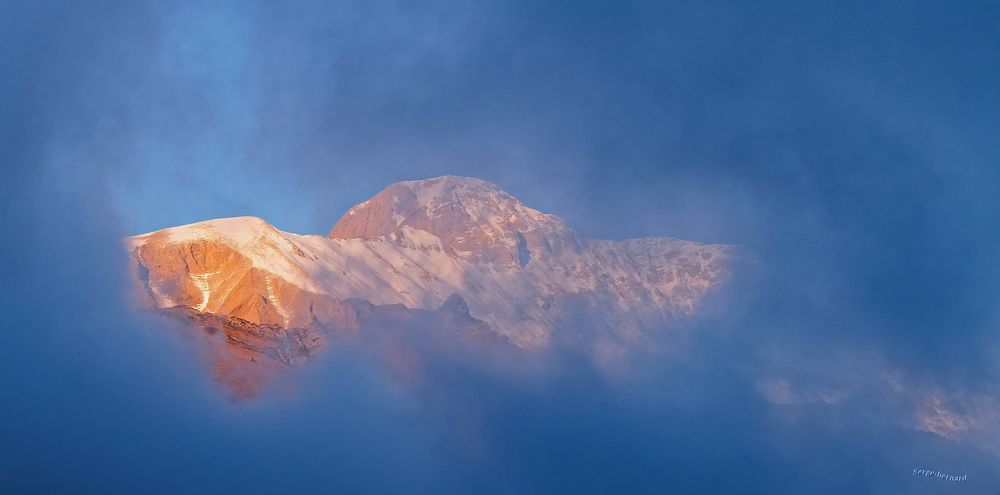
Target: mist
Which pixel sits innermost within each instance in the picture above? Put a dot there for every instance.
(847, 150)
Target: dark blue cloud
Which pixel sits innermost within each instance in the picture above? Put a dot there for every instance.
(849, 148)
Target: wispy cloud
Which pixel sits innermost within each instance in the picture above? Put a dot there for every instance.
(851, 151)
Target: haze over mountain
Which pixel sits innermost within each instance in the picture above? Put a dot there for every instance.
(455, 247)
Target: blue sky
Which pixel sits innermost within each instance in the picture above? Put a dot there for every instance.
(849, 146)
(294, 114)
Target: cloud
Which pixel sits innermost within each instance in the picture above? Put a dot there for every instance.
(851, 156)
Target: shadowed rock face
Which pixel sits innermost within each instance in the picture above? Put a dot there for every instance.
(445, 246)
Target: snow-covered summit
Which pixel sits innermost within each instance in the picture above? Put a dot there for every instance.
(474, 219)
(241, 229)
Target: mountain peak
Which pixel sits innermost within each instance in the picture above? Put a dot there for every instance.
(454, 189)
(457, 250)
(452, 183)
(473, 218)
